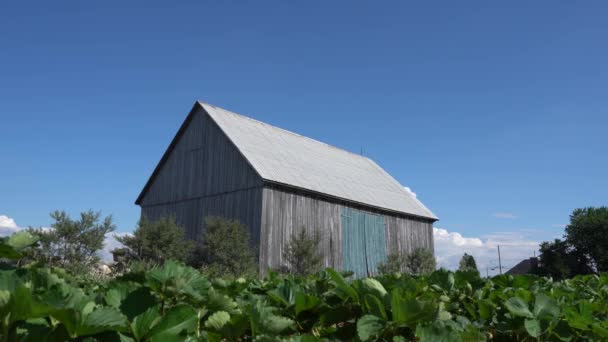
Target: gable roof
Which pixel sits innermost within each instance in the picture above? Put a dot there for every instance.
(524, 267)
(283, 157)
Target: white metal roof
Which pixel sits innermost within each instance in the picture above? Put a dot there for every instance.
(289, 158)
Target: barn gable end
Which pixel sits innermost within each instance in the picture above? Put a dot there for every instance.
(203, 174)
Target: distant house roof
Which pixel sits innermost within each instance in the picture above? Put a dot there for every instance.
(524, 267)
(287, 158)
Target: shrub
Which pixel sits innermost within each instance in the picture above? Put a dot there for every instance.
(154, 242)
(302, 253)
(226, 249)
(394, 263)
(420, 261)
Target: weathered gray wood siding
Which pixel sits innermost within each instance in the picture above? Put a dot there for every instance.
(205, 175)
(407, 234)
(285, 212)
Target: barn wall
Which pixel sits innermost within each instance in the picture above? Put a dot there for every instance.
(407, 234)
(285, 212)
(244, 205)
(204, 175)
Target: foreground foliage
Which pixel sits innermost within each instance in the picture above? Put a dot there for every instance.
(173, 302)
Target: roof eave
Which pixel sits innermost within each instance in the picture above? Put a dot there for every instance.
(345, 200)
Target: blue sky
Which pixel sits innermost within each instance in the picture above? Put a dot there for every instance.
(494, 113)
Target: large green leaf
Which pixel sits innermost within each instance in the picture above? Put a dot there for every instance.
(373, 305)
(343, 289)
(580, 317)
(442, 278)
(218, 320)
(8, 252)
(545, 307)
(277, 324)
(284, 293)
(264, 320)
(23, 304)
(236, 327)
(144, 322)
(410, 310)
(137, 302)
(175, 280)
(437, 332)
(369, 327)
(485, 309)
(175, 325)
(518, 307)
(22, 239)
(102, 319)
(370, 285)
(219, 302)
(533, 327)
(305, 302)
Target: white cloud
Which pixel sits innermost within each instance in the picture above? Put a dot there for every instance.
(109, 245)
(505, 215)
(514, 247)
(8, 226)
(410, 191)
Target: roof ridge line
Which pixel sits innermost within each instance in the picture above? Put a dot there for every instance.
(285, 130)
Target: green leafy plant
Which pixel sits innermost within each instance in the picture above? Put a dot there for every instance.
(175, 302)
(12, 247)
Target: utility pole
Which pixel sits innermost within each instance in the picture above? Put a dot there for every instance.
(499, 264)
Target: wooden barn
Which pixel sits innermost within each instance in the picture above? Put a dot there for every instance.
(277, 182)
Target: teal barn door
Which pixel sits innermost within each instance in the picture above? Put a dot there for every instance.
(353, 242)
(363, 242)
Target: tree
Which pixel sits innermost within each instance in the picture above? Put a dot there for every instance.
(559, 260)
(421, 261)
(467, 263)
(73, 244)
(302, 253)
(226, 249)
(587, 233)
(583, 249)
(154, 242)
